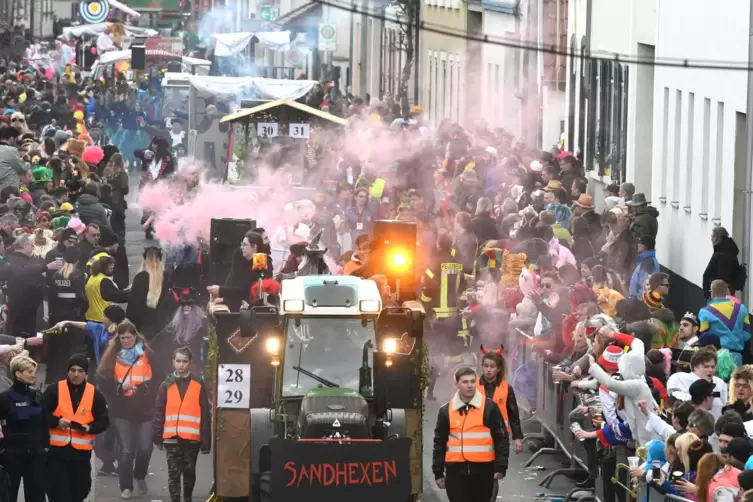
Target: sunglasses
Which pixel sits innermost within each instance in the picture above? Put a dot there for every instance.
(546, 286)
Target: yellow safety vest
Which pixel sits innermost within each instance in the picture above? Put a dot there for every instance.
(377, 189)
(97, 304)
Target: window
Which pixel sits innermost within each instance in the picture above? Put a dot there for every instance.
(664, 141)
(437, 91)
(451, 97)
(431, 87)
(677, 133)
(705, 156)
(445, 107)
(689, 152)
(719, 171)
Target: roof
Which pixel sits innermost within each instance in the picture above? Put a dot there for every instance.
(247, 112)
(297, 13)
(294, 289)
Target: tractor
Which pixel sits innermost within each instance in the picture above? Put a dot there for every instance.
(329, 404)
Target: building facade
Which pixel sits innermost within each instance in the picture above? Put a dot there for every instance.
(677, 133)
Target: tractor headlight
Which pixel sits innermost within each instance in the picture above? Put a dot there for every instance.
(389, 346)
(293, 305)
(273, 345)
(370, 306)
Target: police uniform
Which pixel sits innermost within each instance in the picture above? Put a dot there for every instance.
(69, 456)
(25, 438)
(442, 291)
(470, 445)
(67, 301)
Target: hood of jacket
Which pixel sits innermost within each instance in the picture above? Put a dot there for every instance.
(647, 211)
(632, 364)
(87, 200)
(654, 451)
(727, 246)
(648, 254)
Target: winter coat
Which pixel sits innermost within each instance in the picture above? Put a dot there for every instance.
(620, 255)
(485, 228)
(667, 329)
(729, 321)
(633, 386)
(119, 191)
(465, 250)
(723, 265)
(25, 291)
(645, 265)
(11, 166)
(645, 222)
(90, 210)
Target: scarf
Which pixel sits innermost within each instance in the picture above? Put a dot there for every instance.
(130, 356)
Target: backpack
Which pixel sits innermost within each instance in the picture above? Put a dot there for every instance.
(741, 277)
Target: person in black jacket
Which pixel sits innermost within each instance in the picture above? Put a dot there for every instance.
(90, 209)
(469, 475)
(25, 286)
(26, 433)
(242, 276)
(66, 299)
(129, 375)
(150, 302)
(67, 239)
(723, 264)
(69, 468)
(483, 225)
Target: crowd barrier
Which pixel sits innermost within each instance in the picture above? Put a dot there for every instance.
(551, 411)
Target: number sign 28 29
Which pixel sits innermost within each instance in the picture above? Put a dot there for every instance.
(233, 385)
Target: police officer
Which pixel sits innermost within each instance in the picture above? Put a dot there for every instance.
(443, 288)
(77, 412)
(471, 447)
(24, 435)
(67, 300)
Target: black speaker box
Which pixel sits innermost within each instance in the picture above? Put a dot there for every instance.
(138, 57)
(225, 237)
(174, 67)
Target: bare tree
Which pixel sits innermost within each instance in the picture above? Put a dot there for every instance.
(407, 18)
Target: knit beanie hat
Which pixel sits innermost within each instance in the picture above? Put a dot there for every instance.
(115, 314)
(652, 299)
(78, 360)
(610, 357)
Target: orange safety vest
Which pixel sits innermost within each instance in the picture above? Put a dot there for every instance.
(470, 440)
(83, 415)
(500, 398)
(139, 373)
(183, 416)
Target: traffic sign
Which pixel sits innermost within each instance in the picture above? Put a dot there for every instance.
(269, 13)
(95, 11)
(327, 37)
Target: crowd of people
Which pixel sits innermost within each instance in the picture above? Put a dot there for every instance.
(503, 231)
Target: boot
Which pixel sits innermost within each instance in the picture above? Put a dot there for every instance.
(587, 484)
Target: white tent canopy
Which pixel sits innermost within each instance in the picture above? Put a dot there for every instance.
(230, 44)
(252, 88)
(118, 56)
(96, 29)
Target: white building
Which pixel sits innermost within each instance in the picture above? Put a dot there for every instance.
(677, 133)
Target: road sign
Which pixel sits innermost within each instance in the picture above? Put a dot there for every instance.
(327, 37)
(269, 13)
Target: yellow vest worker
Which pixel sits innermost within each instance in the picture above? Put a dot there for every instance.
(83, 415)
(183, 416)
(443, 282)
(97, 304)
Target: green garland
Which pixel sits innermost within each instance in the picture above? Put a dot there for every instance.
(422, 371)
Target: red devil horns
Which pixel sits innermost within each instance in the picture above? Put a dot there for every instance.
(499, 351)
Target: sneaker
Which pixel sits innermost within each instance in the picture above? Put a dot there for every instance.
(141, 484)
(125, 494)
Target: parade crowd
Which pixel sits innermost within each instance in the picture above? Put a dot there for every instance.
(502, 228)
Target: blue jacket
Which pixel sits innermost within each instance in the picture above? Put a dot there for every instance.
(645, 265)
(729, 321)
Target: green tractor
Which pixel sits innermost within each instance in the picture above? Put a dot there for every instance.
(331, 400)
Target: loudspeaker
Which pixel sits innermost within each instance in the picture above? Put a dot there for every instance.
(174, 67)
(225, 237)
(138, 57)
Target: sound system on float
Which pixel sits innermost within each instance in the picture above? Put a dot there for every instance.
(138, 57)
(225, 237)
(174, 67)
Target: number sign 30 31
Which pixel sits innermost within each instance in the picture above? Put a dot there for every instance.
(233, 385)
